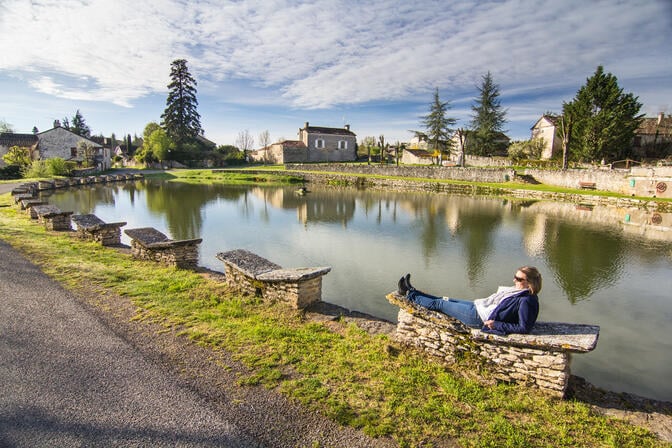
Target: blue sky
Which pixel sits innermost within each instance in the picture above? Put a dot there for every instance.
(275, 64)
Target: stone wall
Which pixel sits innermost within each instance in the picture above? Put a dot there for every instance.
(425, 172)
(540, 359)
(183, 256)
(535, 367)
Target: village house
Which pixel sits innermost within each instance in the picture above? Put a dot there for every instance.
(545, 128)
(315, 144)
(56, 142)
(653, 137)
(60, 142)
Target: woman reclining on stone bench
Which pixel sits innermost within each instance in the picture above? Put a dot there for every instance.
(509, 310)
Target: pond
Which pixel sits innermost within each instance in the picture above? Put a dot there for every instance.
(609, 266)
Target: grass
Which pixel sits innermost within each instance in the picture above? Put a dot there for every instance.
(336, 369)
(228, 177)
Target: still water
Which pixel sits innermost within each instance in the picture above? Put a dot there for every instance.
(601, 265)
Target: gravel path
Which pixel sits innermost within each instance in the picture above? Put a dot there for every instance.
(76, 371)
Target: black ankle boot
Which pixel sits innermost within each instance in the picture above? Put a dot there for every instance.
(401, 287)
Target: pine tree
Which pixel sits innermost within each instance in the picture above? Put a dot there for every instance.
(488, 119)
(438, 124)
(181, 119)
(79, 126)
(604, 119)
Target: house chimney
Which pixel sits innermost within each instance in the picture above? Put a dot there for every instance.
(347, 127)
(661, 115)
(57, 124)
(306, 127)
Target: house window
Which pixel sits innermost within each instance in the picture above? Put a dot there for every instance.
(73, 152)
(342, 144)
(319, 143)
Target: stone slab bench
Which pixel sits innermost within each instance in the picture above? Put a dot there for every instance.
(252, 274)
(92, 228)
(52, 217)
(147, 243)
(18, 197)
(540, 359)
(28, 204)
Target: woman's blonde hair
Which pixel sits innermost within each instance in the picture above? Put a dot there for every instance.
(533, 278)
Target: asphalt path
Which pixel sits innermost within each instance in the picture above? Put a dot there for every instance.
(67, 380)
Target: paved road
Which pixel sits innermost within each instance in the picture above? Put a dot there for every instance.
(68, 380)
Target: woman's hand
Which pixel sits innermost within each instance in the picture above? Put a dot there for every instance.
(489, 323)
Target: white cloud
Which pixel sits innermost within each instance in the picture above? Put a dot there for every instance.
(325, 53)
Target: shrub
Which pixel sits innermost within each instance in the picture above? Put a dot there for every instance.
(58, 167)
(10, 172)
(38, 168)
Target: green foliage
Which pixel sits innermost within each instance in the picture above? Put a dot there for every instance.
(49, 168)
(10, 172)
(437, 124)
(231, 155)
(488, 120)
(19, 156)
(37, 169)
(159, 144)
(526, 149)
(604, 119)
(181, 119)
(78, 125)
(58, 167)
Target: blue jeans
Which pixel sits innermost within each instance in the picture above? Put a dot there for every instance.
(462, 310)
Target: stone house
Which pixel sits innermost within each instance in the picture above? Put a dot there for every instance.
(10, 139)
(60, 142)
(417, 157)
(315, 144)
(652, 134)
(545, 127)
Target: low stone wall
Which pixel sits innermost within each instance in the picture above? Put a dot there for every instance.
(424, 172)
(148, 243)
(540, 359)
(92, 228)
(255, 275)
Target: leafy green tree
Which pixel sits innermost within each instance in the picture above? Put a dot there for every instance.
(488, 119)
(159, 144)
(78, 125)
(19, 156)
(180, 119)
(604, 119)
(437, 124)
(526, 149)
(35, 130)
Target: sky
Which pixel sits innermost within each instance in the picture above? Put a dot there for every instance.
(276, 64)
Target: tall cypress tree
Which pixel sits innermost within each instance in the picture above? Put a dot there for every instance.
(604, 119)
(488, 119)
(181, 119)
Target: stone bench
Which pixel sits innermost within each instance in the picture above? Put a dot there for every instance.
(585, 185)
(147, 243)
(28, 204)
(52, 217)
(252, 274)
(92, 228)
(540, 359)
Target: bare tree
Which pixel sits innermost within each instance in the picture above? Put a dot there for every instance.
(264, 140)
(565, 132)
(244, 141)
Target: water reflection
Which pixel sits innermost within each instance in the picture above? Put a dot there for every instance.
(602, 265)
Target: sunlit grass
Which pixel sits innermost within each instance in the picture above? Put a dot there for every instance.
(354, 378)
